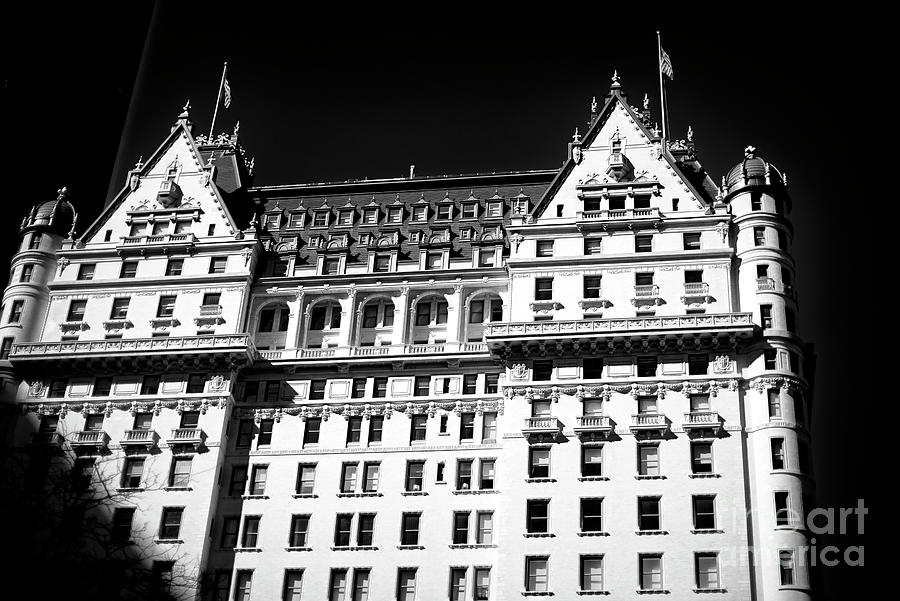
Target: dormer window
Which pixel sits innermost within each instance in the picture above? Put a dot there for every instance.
(320, 219)
(470, 211)
(345, 217)
(415, 236)
(465, 234)
(315, 241)
(395, 215)
(365, 239)
(445, 212)
(295, 220)
(520, 205)
(495, 209)
(271, 221)
(420, 213)
(370, 216)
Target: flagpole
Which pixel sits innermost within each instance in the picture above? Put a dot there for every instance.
(662, 92)
(219, 98)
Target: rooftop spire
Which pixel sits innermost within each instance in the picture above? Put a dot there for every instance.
(615, 80)
(185, 117)
(577, 137)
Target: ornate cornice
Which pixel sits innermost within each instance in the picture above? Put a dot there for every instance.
(133, 407)
(366, 410)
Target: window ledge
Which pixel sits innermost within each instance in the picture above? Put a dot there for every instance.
(593, 533)
(706, 531)
(476, 491)
(247, 550)
(247, 497)
(592, 592)
(359, 494)
(792, 527)
(178, 488)
(537, 594)
(414, 493)
(593, 478)
(410, 547)
(168, 541)
(648, 477)
(652, 591)
(709, 475)
(471, 546)
(305, 496)
(710, 590)
(360, 548)
(298, 548)
(539, 535)
(650, 532)
(539, 480)
(127, 489)
(793, 587)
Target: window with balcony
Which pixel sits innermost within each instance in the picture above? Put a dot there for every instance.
(648, 460)
(538, 516)
(170, 526)
(704, 512)
(543, 289)
(537, 574)
(648, 513)
(651, 575)
(415, 472)
(699, 403)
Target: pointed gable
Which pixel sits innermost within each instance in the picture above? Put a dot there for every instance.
(175, 186)
(618, 153)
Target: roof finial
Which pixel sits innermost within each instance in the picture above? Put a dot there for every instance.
(62, 193)
(140, 162)
(750, 151)
(577, 137)
(237, 127)
(690, 134)
(185, 110)
(594, 104)
(646, 102)
(615, 79)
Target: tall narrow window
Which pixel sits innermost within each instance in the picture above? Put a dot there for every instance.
(487, 474)
(418, 426)
(759, 236)
(306, 478)
(648, 513)
(543, 289)
(311, 434)
(371, 476)
(170, 526)
(132, 472)
(592, 287)
(778, 460)
(651, 572)
(76, 310)
(460, 527)
(409, 534)
(342, 526)
(591, 461)
(704, 512)
(458, 584)
(648, 460)
(539, 463)
(489, 427)
(365, 531)
(337, 585)
(376, 424)
(166, 307)
(464, 474)
(299, 530)
(774, 396)
(360, 584)
(180, 477)
(121, 524)
(482, 584)
(770, 359)
(786, 567)
(406, 584)
(293, 585)
(15, 313)
(538, 515)
(415, 471)
(536, 574)
(592, 515)
(238, 481)
(348, 478)
(701, 458)
(592, 573)
(467, 427)
(229, 537)
(485, 533)
(244, 585)
(782, 508)
(251, 532)
(258, 480)
(354, 430)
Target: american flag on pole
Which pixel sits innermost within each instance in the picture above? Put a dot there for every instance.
(665, 65)
(227, 101)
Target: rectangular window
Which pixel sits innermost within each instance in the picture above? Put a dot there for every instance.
(536, 574)
(244, 585)
(121, 524)
(778, 459)
(485, 533)
(238, 481)
(409, 535)
(544, 248)
(415, 472)
(6, 348)
(180, 476)
(293, 585)
(371, 473)
(365, 531)
(592, 246)
(379, 390)
(759, 236)
(342, 526)
(486, 258)
(174, 267)
(35, 242)
(359, 388)
(376, 424)
(27, 272)
(786, 567)
(491, 383)
(166, 307)
(765, 314)
(444, 212)
(218, 264)
(487, 474)
(489, 427)
(592, 573)
(482, 584)
(651, 572)
(699, 403)
(470, 382)
(701, 458)
(354, 430)
(76, 310)
(418, 426)
(539, 463)
(458, 584)
(782, 508)
(538, 515)
(464, 474)
(691, 241)
(406, 584)
(592, 287)
(170, 526)
(460, 527)
(57, 387)
(189, 419)
(306, 478)
(86, 271)
(382, 263)
(251, 532)
(543, 289)
(196, 383)
(120, 308)
(258, 480)
(774, 396)
(591, 461)
(770, 359)
(643, 244)
(648, 460)
(129, 270)
(132, 472)
(592, 515)
(244, 434)
(698, 365)
(542, 370)
(361, 584)
(348, 477)
(648, 513)
(331, 266)
(704, 512)
(470, 211)
(264, 438)
(311, 434)
(646, 367)
(102, 387)
(467, 426)
(230, 526)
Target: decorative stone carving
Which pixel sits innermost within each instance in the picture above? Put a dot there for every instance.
(723, 365)
(519, 371)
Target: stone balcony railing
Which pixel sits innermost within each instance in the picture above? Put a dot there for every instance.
(89, 441)
(646, 291)
(192, 438)
(593, 427)
(139, 439)
(619, 214)
(696, 422)
(696, 292)
(375, 351)
(153, 244)
(210, 310)
(542, 424)
(767, 284)
(52, 440)
(645, 424)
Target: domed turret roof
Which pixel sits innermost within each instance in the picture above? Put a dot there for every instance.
(57, 215)
(752, 171)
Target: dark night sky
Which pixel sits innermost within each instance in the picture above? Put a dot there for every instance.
(318, 102)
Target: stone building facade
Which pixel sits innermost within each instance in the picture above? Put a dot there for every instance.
(567, 382)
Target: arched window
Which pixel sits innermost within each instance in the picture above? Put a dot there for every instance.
(378, 314)
(273, 318)
(325, 316)
(431, 311)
